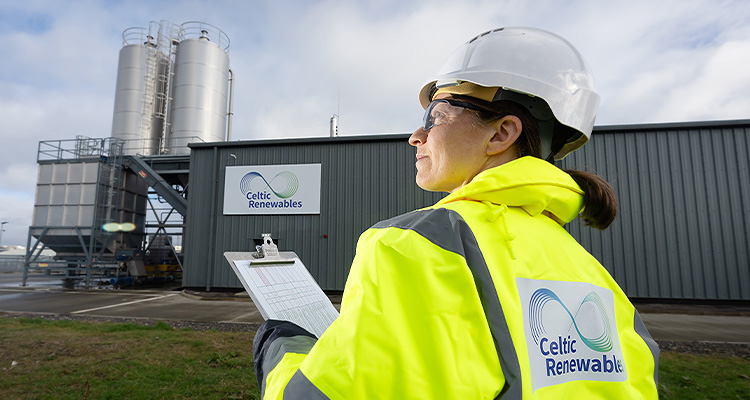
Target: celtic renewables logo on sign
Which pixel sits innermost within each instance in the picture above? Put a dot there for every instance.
(286, 183)
(571, 332)
(272, 189)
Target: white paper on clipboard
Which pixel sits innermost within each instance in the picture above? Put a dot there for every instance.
(285, 291)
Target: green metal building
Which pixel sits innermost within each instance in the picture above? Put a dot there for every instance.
(681, 232)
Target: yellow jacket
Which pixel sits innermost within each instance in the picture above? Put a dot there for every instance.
(483, 295)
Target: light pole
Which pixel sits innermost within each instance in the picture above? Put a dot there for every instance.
(2, 229)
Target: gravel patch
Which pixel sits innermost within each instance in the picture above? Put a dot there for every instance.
(707, 348)
(192, 325)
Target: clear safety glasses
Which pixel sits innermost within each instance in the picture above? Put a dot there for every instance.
(441, 108)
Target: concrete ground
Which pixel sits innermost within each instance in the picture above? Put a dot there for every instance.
(48, 297)
(44, 296)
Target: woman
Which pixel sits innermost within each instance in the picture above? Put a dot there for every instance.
(484, 294)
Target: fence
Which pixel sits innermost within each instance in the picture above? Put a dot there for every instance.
(11, 263)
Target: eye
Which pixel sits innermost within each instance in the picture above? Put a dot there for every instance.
(440, 111)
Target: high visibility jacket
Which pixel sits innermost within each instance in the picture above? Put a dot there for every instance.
(483, 295)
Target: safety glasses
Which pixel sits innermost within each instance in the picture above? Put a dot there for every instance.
(441, 108)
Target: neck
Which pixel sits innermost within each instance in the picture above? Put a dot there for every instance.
(491, 162)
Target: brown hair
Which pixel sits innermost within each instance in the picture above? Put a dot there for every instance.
(599, 198)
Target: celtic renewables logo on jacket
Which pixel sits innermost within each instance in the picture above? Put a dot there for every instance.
(541, 297)
(571, 332)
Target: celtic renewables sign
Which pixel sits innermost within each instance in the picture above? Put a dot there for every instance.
(272, 189)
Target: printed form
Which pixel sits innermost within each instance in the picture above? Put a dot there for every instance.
(285, 291)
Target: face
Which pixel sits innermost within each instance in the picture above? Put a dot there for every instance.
(453, 151)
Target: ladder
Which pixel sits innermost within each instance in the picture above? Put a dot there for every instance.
(149, 92)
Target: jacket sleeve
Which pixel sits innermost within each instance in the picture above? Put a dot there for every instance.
(411, 326)
(279, 346)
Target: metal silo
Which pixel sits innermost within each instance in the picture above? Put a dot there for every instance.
(142, 92)
(200, 87)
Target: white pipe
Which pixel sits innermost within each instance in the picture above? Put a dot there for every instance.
(231, 103)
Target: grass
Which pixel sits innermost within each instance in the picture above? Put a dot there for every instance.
(80, 360)
(688, 376)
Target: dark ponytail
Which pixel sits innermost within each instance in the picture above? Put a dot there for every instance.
(599, 198)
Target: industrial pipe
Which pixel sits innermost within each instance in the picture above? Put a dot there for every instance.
(231, 103)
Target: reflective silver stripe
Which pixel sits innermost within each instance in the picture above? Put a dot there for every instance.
(281, 346)
(640, 329)
(448, 230)
(299, 387)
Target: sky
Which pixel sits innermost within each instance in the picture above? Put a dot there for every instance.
(296, 63)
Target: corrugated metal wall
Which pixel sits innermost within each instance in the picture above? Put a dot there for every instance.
(684, 189)
(364, 180)
(681, 232)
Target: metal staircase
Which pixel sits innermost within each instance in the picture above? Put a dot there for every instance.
(157, 80)
(108, 196)
(160, 186)
(149, 89)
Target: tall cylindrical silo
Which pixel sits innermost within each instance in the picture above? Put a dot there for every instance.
(200, 88)
(140, 95)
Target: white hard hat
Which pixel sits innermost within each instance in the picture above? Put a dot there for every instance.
(529, 61)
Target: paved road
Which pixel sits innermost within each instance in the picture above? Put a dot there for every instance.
(698, 328)
(126, 304)
(47, 297)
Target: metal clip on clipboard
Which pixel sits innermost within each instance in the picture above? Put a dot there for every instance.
(268, 253)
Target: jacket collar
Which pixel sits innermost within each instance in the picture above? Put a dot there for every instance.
(528, 182)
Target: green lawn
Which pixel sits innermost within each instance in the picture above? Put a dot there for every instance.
(688, 376)
(81, 360)
(78, 360)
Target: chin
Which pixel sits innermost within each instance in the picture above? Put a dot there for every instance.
(423, 186)
(430, 188)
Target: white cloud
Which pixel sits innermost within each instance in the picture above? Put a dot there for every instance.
(18, 177)
(709, 94)
(297, 63)
(643, 52)
(368, 69)
(17, 209)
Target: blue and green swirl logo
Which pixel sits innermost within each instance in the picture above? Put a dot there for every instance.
(542, 297)
(284, 184)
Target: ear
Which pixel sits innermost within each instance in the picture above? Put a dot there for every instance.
(507, 129)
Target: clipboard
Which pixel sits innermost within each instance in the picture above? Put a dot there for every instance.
(282, 288)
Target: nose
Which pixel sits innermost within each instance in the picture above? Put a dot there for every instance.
(419, 137)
